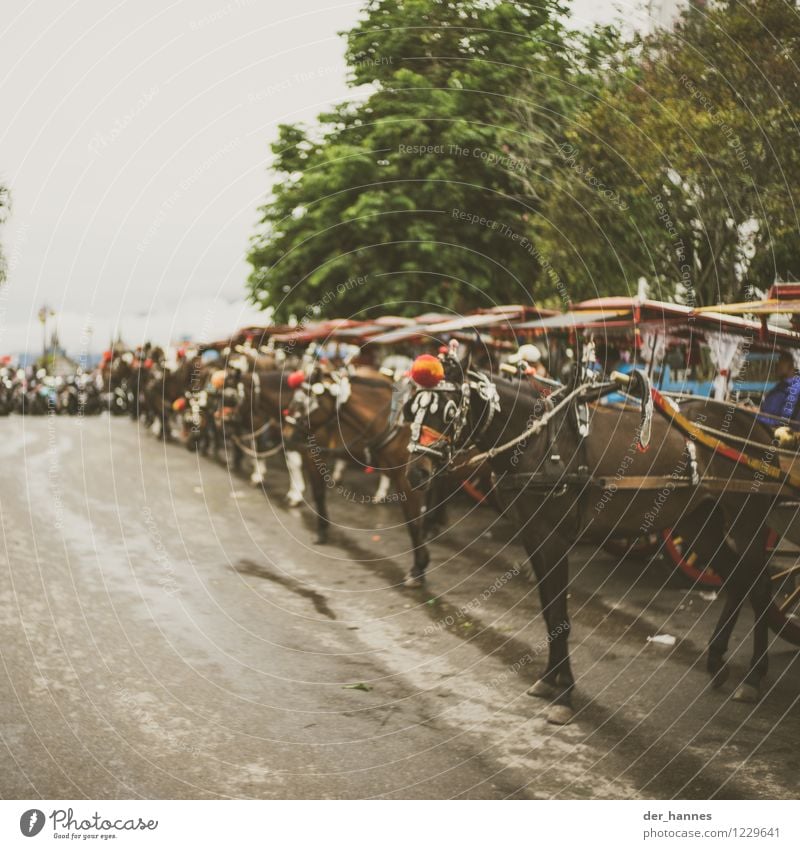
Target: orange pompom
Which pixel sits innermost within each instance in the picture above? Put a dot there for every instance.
(179, 404)
(218, 379)
(295, 379)
(427, 371)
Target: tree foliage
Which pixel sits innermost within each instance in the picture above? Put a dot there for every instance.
(490, 154)
(692, 155)
(414, 190)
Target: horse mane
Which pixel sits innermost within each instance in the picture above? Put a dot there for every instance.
(365, 376)
(519, 395)
(378, 382)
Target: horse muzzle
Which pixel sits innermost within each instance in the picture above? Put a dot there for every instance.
(431, 443)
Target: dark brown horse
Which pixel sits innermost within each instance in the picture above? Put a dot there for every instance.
(165, 384)
(253, 425)
(335, 413)
(562, 485)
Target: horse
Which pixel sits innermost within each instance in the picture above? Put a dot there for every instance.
(570, 472)
(340, 413)
(165, 384)
(197, 408)
(254, 422)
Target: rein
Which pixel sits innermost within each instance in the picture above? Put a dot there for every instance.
(535, 428)
(540, 424)
(252, 437)
(253, 454)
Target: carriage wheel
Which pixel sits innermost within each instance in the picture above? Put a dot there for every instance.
(640, 547)
(784, 573)
(689, 562)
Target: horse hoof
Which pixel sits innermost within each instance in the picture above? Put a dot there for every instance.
(542, 690)
(747, 693)
(320, 540)
(294, 502)
(560, 714)
(719, 677)
(413, 582)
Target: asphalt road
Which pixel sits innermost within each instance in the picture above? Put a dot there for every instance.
(167, 631)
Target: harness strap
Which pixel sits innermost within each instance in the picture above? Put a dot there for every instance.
(535, 428)
(255, 455)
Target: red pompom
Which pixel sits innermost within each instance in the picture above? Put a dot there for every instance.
(148, 363)
(295, 379)
(107, 356)
(427, 371)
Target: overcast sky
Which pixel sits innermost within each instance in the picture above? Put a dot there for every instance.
(135, 142)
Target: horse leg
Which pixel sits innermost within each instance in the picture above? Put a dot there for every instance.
(166, 427)
(259, 471)
(383, 490)
(294, 464)
(437, 495)
(412, 504)
(551, 567)
(750, 689)
(338, 470)
(699, 528)
(317, 481)
(718, 644)
(214, 442)
(238, 454)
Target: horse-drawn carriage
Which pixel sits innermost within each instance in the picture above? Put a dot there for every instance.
(688, 353)
(566, 464)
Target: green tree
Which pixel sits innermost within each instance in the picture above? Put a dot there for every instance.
(424, 190)
(687, 170)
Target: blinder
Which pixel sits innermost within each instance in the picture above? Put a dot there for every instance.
(455, 414)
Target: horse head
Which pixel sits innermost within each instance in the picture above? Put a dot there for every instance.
(319, 393)
(452, 408)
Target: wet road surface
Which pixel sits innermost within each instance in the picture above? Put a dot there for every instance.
(167, 631)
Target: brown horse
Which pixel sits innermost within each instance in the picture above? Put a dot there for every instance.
(335, 413)
(165, 384)
(562, 485)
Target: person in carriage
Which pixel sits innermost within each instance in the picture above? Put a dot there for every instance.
(783, 400)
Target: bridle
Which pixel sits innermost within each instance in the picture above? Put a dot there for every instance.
(336, 384)
(306, 399)
(445, 447)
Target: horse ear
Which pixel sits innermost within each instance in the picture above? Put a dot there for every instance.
(466, 365)
(407, 414)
